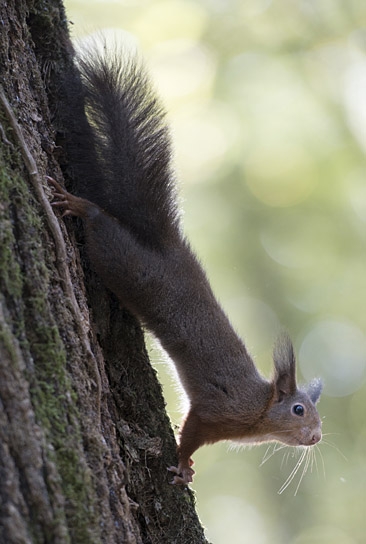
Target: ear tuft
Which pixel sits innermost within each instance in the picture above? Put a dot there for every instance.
(314, 389)
(285, 366)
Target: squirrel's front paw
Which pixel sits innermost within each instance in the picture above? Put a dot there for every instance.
(182, 476)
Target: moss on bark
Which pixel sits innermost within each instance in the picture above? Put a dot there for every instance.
(84, 436)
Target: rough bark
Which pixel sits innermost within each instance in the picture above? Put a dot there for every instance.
(84, 436)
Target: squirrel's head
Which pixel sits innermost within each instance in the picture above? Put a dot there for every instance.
(292, 415)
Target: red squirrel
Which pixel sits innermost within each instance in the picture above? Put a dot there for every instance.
(136, 245)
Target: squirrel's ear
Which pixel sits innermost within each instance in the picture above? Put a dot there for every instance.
(285, 367)
(314, 389)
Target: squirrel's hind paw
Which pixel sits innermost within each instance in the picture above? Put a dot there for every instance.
(60, 190)
(182, 476)
(72, 205)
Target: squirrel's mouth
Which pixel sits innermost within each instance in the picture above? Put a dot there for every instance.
(308, 441)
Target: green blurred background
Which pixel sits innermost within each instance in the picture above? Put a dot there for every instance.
(267, 104)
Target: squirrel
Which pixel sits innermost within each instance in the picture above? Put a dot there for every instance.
(135, 243)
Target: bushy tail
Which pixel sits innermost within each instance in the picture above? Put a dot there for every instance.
(133, 179)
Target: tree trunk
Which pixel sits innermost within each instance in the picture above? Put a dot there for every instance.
(84, 436)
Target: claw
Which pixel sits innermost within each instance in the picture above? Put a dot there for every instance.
(72, 204)
(182, 476)
(56, 186)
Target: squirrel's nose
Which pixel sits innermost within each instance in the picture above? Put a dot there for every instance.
(316, 437)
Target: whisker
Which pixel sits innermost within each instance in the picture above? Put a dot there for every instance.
(307, 460)
(293, 473)
(314, 461)
(332, 445)
(268, 454)
(322, 459)
(308, 456)
(286, 456)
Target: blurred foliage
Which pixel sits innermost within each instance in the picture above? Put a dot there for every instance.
(267, 103)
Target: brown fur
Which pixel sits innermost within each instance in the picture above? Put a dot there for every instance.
(140, 253)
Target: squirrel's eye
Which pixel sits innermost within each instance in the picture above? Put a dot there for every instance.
(298, 410)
